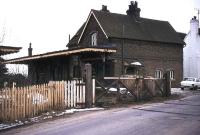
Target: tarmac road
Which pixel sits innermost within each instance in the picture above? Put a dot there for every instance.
(176, 117)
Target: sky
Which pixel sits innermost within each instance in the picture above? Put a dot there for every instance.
(48, 23)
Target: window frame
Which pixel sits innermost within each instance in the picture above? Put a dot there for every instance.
(158, 74)
(172, 74)
(94, 39)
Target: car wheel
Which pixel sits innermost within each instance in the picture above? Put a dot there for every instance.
(182, 88)
(195, 88)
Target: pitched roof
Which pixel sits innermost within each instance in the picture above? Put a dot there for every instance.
(74, 40)
(182, 35)
(124, 26)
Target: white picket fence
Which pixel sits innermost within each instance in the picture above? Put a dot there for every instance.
(74, 92)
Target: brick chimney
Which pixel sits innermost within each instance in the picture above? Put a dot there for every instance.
(104, 8)
(133, 10)
(30, 50)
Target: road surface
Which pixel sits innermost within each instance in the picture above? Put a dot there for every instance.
(177, 117)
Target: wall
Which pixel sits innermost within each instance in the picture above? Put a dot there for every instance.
(152, 55)
(192, 51)
(93, 27)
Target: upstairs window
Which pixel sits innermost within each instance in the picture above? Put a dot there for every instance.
(94, 39)
(158, 74)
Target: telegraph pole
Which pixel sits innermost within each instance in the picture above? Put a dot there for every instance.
(198, 12)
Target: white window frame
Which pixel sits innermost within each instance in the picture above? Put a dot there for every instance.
(158, 74)
(171, 74)
(94, 39)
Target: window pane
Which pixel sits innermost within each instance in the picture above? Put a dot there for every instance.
(158, 74)
(172, 74)
(94, 39)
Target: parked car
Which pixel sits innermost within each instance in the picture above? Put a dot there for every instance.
(191, 83)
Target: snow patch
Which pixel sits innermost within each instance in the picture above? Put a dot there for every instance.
(44, 116)
(11, 125)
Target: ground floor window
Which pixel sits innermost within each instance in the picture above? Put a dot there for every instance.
(171, 72)
(158, 74)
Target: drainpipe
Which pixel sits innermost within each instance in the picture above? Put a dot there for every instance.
(122, 50)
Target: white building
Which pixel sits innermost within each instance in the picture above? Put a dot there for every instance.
(191, 52)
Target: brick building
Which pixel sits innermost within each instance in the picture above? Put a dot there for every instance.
(112, 43)
(153, 43)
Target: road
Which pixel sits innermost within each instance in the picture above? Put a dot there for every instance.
(175, 117)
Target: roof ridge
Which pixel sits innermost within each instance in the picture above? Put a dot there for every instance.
(107, 12)
(128, 16)
(146, 30)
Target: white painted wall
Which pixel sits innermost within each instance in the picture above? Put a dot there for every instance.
(191, 52)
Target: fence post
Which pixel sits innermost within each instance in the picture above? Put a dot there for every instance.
(93, 90)
(167, 84)
(137, 83)
(88, 85)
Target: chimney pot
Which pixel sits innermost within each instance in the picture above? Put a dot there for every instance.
(69, 38)
(30, 50)
(133, 10)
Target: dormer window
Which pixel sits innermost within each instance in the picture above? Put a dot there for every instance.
(94, 39)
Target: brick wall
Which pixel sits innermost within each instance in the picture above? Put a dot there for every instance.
(152, 55)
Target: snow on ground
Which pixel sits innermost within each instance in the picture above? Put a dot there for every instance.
(70, 111)
(11, 125)
(178, 91)
(48, 115)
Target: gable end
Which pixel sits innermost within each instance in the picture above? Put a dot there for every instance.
(91, 14)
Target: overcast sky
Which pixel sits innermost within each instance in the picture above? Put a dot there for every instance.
(47, 23)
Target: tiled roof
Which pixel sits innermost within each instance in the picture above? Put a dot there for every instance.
(127, 27)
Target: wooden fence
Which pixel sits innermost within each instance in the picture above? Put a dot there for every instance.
(24, 102)
(139, 87)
